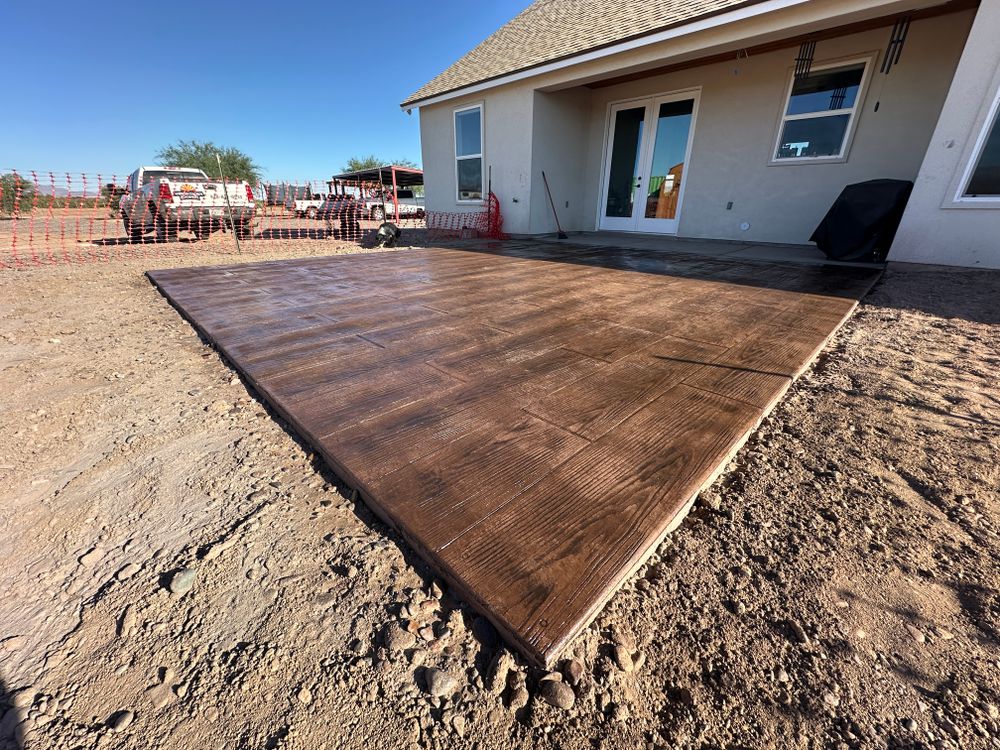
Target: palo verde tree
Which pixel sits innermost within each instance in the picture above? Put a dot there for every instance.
(235, 164)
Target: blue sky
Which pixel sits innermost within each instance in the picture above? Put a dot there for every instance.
(301, 87)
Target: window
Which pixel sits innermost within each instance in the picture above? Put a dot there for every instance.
(161, 174)
(820, 112)
(469, 153)
(982, 181)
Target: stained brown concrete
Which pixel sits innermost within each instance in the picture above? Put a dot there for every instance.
(532, 417)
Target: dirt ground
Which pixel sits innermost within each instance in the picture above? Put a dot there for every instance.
(83, 235)
(178, 571)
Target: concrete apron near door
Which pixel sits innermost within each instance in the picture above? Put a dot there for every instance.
(532, 417)
(731, 249)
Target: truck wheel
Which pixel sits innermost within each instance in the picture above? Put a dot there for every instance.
(202, 229)
(134, 232)
(243, 230)
(311, 212)
(165, 232)
(378, 213)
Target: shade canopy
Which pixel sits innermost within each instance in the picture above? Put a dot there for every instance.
(405, 176)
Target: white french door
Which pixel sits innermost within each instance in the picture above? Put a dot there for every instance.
(648, 149)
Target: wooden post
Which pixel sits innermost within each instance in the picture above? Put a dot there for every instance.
(395, 199)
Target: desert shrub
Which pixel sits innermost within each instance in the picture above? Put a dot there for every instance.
(15, 195)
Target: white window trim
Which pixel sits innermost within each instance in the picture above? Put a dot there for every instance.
(482, 149)
(992, 119)
(855, 111)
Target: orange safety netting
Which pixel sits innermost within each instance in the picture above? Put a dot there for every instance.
(71, 217)
(487, 223)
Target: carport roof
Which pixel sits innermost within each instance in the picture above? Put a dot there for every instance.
(551, 30)
(405, 176)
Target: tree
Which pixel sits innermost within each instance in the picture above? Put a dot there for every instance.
(15, 192)
(235, 164)
(111, 196)
(358, 164)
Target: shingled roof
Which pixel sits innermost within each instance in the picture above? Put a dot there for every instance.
(551, 30)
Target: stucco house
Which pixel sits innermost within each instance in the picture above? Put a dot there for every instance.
(726, 119)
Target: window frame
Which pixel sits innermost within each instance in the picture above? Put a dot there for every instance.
(845, 148)
(482, 149)
(992, 121)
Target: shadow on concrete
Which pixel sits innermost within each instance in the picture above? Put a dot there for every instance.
(971, 294)
(830, 280)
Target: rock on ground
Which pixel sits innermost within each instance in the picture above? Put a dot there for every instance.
(558, 694)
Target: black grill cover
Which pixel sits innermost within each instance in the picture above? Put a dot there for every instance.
(863, 220)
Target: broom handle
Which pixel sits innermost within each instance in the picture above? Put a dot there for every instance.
(551, 202)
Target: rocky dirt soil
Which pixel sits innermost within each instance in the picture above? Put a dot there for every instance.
(178, 571)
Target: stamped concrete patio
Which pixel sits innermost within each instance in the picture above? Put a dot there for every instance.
(532, 417)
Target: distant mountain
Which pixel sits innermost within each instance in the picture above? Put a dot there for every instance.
(63, 192)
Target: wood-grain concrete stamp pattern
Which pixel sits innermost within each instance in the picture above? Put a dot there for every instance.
(533, 418)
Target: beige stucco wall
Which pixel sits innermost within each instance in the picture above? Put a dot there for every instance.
(559, 134)
(506, 147)
(936, 229)
(563, 132)
(737, 128)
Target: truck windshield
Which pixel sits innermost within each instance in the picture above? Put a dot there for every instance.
(154, 174)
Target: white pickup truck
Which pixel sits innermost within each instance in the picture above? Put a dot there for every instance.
(410, 206)
(305, 207)
(169, 199)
